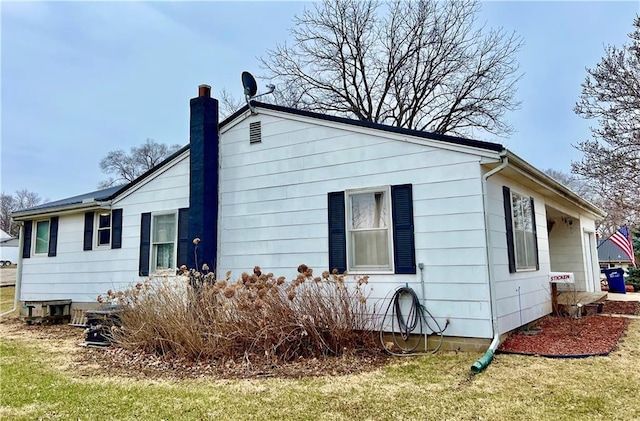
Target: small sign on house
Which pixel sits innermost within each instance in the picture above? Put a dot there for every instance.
(561, 277)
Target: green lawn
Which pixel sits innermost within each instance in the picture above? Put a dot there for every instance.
(36, 383)
(6, 298)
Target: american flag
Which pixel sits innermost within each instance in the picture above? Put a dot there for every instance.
(622, 239)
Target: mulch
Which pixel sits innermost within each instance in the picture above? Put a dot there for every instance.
(622, 307)
(550, 337)
(566, 337)
(122, 362)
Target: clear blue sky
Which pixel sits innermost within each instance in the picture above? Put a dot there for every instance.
(82, 79)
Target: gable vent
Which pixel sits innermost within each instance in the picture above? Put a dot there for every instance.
(255, 132)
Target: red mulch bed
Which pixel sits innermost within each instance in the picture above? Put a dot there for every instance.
(622, 307)
(574, 338)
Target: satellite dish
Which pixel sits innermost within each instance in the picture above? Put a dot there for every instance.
(249, 84)
(251, 88)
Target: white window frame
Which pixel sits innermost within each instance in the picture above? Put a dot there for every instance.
(351, 267)
(153, 243)
(35, 237)
(529, 266)
(97, 229)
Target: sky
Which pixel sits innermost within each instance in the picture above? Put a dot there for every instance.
(79, 80)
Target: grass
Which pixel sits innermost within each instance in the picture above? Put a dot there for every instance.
(6, 298)
(38, 382)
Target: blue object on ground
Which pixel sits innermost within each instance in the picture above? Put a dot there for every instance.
(615, 279)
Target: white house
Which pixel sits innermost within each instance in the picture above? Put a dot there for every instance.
(468, 222)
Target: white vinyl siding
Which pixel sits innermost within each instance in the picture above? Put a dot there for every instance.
(82, 276)
(522, 295)
(274, 197)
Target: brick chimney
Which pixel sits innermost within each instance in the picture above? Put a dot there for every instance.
(203, 178)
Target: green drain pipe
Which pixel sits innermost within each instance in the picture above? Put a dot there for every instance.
(482, 362)
(486, 359)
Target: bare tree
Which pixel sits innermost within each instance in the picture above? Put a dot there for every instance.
(597, 194)
(26, 199)
(23, 199)
(611, 95)
(423, 65)
(126, 167)
(7, 205)
(575, 184)
(229, 104)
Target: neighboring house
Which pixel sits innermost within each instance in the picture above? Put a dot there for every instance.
(8, 249)
(480, 227)
(611, 256)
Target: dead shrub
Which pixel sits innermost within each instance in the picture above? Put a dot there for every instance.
(196, 317)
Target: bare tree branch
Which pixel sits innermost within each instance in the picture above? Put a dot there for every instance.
(22, 199)
(422, 65)
(124, 168)
(611, 161)
(229, 104)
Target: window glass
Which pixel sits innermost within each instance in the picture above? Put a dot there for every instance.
(104, 228)
(523, 233)
(368, 210)
(369, 231)
(371, 248)
(42, 237)
(163, 239)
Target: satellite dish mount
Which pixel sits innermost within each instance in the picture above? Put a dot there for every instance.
(251, 88)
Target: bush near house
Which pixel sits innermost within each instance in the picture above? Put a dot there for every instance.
(633, 278)
(257, 317)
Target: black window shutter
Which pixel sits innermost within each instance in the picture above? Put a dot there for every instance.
(116, 228)
(88, 230)
(535, 232)
(53, 236)
(184, 245)
(506, 197)
(26, 244)
(337, 233)
(404, 249)
(145, 243)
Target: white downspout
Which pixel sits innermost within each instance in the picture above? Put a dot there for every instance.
(16, 297)
(484, 361)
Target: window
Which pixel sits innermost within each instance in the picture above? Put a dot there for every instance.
(525, 238)
(369, 239)
(522, 242)
(372, 230)
(42, 237)
(163, 241)
(160, 244)
(104, 228)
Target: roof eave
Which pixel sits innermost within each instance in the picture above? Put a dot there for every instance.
(59, 210)
(524, 167)
(454, 140)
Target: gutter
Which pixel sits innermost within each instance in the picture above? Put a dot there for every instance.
(485, 360)
(16, 296)
(23, 216)
(527, 170)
